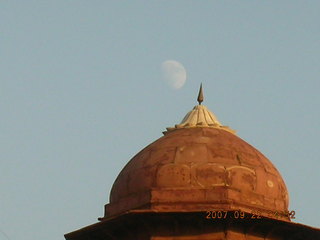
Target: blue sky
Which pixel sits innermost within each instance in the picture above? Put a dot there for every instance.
(81, 93)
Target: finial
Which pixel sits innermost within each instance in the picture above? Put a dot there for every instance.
(200, 95)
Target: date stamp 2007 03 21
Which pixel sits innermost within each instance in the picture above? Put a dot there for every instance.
(238, 214)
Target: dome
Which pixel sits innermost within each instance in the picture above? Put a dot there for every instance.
(199, 165)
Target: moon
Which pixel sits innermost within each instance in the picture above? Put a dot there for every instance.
(174, 73)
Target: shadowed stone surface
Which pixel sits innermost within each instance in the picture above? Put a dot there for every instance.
(192, 226)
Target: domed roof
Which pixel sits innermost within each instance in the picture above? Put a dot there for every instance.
(198, 166)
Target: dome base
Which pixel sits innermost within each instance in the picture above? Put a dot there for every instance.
(191, 200)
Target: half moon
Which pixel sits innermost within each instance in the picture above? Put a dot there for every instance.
(174, 73)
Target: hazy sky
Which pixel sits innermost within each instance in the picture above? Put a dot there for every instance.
(81, 92)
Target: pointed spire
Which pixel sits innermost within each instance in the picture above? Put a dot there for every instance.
(200, 116)
(200, 95)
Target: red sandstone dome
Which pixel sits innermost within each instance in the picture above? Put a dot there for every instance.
(199, 165)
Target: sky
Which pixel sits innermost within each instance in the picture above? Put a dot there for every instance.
(81, 92)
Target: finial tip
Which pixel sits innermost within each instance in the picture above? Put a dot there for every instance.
(200, 95)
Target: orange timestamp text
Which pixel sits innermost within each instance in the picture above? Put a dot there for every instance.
(255, 214)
